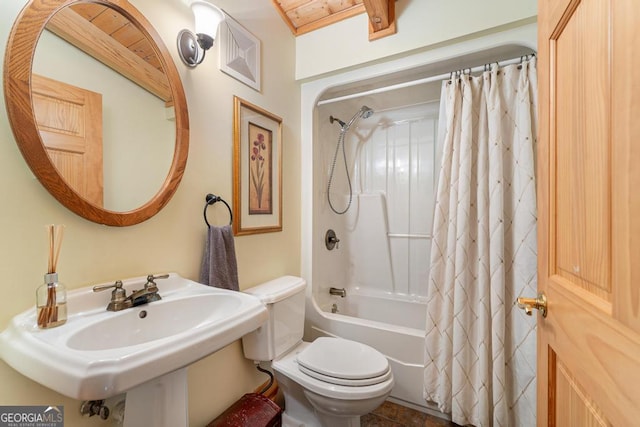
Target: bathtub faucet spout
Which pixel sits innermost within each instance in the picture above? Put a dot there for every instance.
(341, 292)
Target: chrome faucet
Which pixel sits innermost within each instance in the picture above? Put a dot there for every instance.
(120, 300)
(341, 292)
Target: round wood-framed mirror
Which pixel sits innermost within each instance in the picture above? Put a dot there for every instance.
(18, 87)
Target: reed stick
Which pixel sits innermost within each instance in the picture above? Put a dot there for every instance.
(50, 239)
(49, 313)
(59, 234)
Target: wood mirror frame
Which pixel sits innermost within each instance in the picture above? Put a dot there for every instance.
(17, 88)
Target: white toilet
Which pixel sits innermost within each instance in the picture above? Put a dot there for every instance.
(330, 382)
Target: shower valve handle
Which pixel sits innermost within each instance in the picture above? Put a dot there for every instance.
(331, 241)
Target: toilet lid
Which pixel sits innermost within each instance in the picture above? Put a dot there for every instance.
(343, 359)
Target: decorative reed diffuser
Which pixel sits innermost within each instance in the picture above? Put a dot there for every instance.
(51, 297)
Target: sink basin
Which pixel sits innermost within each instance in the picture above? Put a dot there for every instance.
(149, 323)
(97, 354)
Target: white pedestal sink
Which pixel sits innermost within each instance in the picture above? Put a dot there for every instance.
(141, 351)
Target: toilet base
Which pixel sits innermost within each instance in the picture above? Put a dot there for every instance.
(342, 413)
(298, 411)
(301, 412)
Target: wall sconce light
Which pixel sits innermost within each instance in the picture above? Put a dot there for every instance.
(192, 47)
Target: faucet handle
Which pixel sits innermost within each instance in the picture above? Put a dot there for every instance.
(151, 277)
(117, 285)
(118, 295)
(150, 280)
(337, 242)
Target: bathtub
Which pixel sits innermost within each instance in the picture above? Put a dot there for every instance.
(393, 325)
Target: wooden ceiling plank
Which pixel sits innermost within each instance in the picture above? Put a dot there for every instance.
(303, 16)
(331, 19)
(128, 35)
(81, 33)
(289, 5)
(88, 10)
(110, 21)
(308, 13)
(143, 48)
(336, 6)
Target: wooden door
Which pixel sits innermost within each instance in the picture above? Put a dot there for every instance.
(70, 122)
(589, 212)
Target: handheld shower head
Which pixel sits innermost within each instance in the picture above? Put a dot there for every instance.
(366, 112)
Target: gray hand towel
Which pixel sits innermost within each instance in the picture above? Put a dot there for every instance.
(219, 267)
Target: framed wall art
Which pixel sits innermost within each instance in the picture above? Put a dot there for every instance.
(257, 169)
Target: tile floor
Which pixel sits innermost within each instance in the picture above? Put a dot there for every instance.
(393, 415)
(387, 415)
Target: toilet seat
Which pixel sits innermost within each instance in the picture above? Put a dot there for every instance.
(341, 381)
(343, 362)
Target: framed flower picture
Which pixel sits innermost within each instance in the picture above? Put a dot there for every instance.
(257, 169)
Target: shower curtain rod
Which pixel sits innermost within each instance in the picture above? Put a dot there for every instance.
(421, 81)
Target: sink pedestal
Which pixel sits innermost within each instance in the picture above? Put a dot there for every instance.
(161, 402)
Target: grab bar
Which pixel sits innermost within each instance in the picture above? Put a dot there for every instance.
(411, 236)
(341, 292)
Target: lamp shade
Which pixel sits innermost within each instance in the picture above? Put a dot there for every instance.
(207, 18)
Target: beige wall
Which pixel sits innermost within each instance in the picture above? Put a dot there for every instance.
(421, 25)
(172, 240)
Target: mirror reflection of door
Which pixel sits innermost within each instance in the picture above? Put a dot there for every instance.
(70, 122)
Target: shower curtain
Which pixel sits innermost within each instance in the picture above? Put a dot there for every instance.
(480, 348)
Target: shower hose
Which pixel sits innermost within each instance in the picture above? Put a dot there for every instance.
(343, 132)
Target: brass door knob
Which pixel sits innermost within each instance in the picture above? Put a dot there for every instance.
(529, 304)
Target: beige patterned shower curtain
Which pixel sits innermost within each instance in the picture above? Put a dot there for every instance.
(481, 349)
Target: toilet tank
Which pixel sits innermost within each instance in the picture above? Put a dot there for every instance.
(284, 298)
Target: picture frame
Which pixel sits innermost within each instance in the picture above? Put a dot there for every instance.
(239, 54)
(257, 169)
